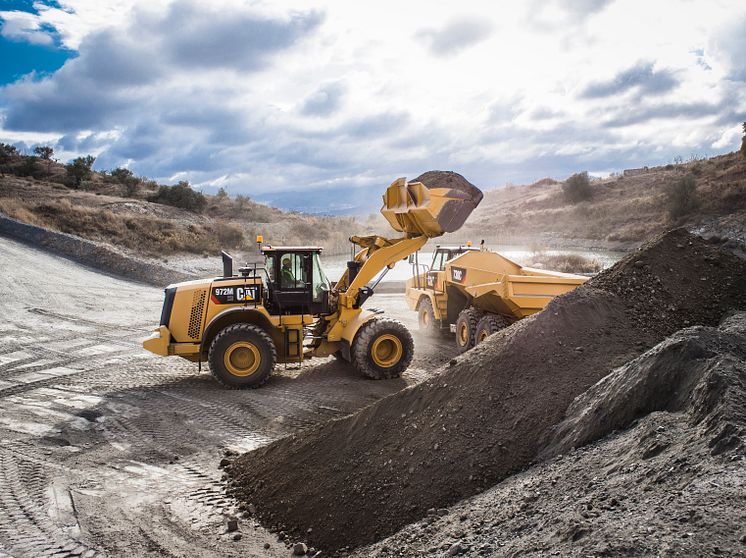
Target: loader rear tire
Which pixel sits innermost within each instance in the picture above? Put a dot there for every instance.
(383, 348)
(489, 324)
(426, 317)
(466, 328)
(242, 356)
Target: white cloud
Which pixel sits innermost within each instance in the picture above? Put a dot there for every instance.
(265, 96)
(24, 26)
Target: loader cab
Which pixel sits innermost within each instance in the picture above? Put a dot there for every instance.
(297, 282)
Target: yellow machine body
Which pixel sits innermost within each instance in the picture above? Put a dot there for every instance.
(488, 282)
(310, 317)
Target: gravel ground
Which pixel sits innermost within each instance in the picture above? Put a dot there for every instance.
(108, 450)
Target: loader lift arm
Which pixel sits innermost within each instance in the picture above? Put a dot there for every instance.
(412, 208)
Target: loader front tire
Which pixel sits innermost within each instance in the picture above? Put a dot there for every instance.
(426, 317)
(466, 328)
(242, 356)
(383, 348)
(489, 324)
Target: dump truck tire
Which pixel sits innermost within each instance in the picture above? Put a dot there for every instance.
(383, 348)
(426, 317)
(242, 356)
(489, 324)
(466, 328)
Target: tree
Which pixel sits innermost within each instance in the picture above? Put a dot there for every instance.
(222, 194)
(45, 152)
(681, 197)
(126, 178)
(28, 168)
(7, 152)
(743, 141)
(181, 195)
(577, 188)
(79, 169)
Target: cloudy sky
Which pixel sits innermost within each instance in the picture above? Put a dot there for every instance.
(296, 101)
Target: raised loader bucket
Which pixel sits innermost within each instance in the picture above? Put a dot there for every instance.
(436, 203)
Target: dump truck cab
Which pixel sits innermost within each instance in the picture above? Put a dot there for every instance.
(426, 289)
(442, 255)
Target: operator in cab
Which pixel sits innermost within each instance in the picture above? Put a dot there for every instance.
(287, 277)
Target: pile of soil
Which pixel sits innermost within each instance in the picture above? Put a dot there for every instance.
(444, 179)
(700, 371)
(464, 197)
(667, 482)
(358, 479)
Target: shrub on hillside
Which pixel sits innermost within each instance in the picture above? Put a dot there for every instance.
(46, 153)
(79, 169)
(681, 197)
(577, 188)
(743, 141)
(181, 195)
(28, 167)
(130, 183)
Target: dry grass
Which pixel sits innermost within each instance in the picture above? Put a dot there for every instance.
(98, 212)
(622, 209)
(566, 263)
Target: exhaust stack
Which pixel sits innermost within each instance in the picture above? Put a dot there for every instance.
(227, 264)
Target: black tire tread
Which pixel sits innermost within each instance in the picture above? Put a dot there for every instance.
(427, 304)
(472, 316)
(492, 323)
(243, 328)
(361, 359)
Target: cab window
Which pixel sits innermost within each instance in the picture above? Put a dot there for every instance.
(439, 261)
(292, 272)
(320, 282)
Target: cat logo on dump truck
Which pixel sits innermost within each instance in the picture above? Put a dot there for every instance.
(233, 295)
(458, 274)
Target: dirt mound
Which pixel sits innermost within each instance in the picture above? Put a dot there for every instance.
(358, 479)
(698, 370)
(546, 182)
(669, 485)
(445, 179)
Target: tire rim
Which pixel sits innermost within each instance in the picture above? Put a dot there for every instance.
(483, 334)
(425, 317)
(386, 350)
(242, 359)
(463, 334)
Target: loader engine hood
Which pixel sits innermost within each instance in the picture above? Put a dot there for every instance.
(433, 204)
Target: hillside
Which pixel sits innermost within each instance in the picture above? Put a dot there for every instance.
(623, 210)
(138, 216)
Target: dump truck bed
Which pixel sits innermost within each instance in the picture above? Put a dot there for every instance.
(496, 284)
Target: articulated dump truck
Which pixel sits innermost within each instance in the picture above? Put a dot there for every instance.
(287, 310)
(475, 292)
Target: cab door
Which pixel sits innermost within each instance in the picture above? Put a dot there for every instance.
(435, 274)
(291, 283)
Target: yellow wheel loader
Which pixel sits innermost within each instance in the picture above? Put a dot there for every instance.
(474, 292)
(287, 310)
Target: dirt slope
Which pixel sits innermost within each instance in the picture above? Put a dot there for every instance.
(666, 480)
(623, 211)
(358, 479)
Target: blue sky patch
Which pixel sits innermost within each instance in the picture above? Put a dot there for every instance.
(20, 57)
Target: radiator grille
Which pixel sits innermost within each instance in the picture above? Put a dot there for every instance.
(195, 318)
